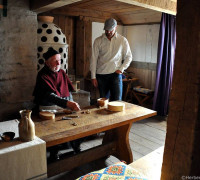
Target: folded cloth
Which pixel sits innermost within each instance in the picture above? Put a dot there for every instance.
(143, 90)
(119, 171)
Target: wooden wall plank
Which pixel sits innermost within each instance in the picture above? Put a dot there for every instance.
(61, 23)
(56, 20)
(146, 77)
(83, 47)
(70, 35)
(88, 47)
(80, 47)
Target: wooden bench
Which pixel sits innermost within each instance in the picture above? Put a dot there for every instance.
(150, 165)
(147, 167)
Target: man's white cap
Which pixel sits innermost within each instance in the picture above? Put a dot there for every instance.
(110, 24)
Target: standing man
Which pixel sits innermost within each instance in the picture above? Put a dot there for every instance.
(53, 85)
(111, 55)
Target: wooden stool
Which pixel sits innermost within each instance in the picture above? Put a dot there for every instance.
(127, 87)
(142, 94)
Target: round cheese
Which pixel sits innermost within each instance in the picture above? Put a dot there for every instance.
(46, 115)
(116, 106)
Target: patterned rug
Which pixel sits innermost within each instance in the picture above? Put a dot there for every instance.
(119, 171)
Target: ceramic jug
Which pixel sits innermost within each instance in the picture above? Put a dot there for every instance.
(26, 126)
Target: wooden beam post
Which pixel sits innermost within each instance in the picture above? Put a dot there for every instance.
(181, 155)
(83, 46)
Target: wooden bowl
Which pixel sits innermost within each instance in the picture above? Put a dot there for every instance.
(102, 102)
(7, 136)
(47, 115)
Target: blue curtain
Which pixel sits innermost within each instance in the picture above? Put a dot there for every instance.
(165, 63)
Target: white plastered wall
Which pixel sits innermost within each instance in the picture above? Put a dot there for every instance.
(143, 39)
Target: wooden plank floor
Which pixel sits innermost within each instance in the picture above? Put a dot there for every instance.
(145, 136)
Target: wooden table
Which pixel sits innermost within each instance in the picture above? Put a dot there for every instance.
(126, 87)
(115, 142)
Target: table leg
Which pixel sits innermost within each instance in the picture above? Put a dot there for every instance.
(121, 137)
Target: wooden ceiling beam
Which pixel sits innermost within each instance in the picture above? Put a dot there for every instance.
(72, 11)
(111, 6)
(40, 6)
(90, 3)
(165, 6)
(141, 17)
(127, 10)
(87, 14)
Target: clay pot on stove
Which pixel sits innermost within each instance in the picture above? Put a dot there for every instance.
(26, 126)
